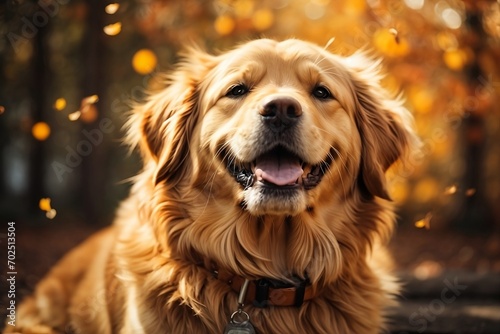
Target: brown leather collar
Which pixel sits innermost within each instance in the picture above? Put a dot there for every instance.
(268, 292)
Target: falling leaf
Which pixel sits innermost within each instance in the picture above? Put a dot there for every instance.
(470, 192)
(450, 190)
(420, 223)
(51, 214)
(90, 99)
(74, 116)
(112, 8)
(144, 61)
(88, 111)
(44, 204)
(113, 29)
(41, 131)
(395, 33)
(329, 43)
(60, 104)
(424, 222)
(384, 41)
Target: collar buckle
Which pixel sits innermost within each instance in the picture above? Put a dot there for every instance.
(272, 292)
(261, 293)
(300, 292)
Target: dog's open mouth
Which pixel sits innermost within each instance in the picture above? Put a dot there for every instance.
(279, 168)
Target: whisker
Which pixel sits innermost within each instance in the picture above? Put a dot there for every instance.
(341, 165)
(338, 168)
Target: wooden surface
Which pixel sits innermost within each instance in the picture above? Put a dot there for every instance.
(475, 310)
(454, 302)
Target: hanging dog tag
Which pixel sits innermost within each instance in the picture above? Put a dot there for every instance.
(237, 327)
(239, 323)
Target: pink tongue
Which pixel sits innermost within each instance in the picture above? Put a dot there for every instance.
(278, 168)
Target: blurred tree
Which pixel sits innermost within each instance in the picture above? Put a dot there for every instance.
(92, 180)
(38, 87)
(476, 213)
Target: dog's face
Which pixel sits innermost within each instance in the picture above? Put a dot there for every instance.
(275, 127)
(280, 117)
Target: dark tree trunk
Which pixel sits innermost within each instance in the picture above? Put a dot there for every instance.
(92, 183)
(38, 87)
(475, 214)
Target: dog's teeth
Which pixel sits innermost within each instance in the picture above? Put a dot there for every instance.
(234, 170)
(249, 181)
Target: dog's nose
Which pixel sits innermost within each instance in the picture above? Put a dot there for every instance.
(281, 113)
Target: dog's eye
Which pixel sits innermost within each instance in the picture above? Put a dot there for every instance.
(237, 91)
(322, 93)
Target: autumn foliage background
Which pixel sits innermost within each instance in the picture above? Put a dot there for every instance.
(67, 66)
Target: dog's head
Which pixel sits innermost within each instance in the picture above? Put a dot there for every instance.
(275, 127)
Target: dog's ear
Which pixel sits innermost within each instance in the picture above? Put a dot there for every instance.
(163, 126)
(385, 126)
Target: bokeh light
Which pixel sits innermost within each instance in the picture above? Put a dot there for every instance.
(144, 61)
(224, 25)
(41, 131)
(60, 104)
(112, 8)
(263, 19)
(414, 4)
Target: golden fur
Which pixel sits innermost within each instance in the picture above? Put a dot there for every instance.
(147, 273)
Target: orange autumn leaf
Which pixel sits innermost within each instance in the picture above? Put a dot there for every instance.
(390, 44)
(88, 109)
(451, 190)
(75, 115)
(424, 222)
(44, 204)
(113, 29)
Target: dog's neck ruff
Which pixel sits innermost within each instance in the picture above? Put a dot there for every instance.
(268, 292)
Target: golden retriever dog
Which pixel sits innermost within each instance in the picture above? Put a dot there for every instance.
(265, 164)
